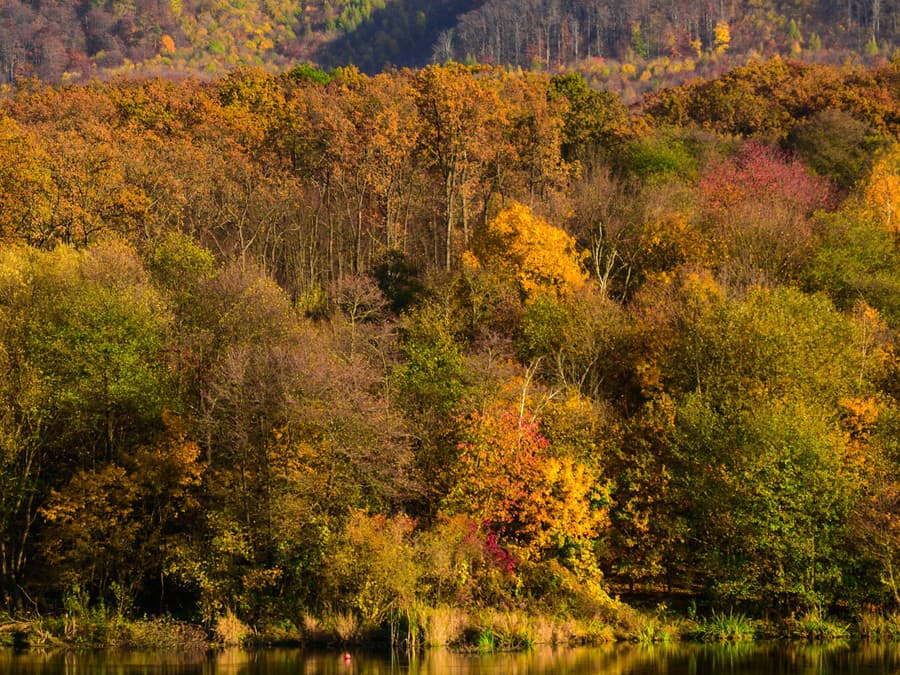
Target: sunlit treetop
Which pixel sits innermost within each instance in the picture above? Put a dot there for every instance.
(522, 246)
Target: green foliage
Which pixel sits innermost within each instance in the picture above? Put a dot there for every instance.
(878, 626)
(813, 625)
(659, 157)
(94, 327)
(580, 343)
(432, 375)
(372, 570)
(307, 73)
(398, 279)
(486, 641)
(835, 144)
(856, 259)
(178, 266)
(780, 459)
(594, 119)
(779, 482)
(871, 47)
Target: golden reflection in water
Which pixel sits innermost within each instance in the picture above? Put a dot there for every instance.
(743, 659)
(230, 661)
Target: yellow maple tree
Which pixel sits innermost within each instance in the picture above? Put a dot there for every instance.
(882, 194)
(522, 246)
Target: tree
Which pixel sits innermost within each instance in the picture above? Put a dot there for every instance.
(769, 515)
(84, 378)
(882, 192)
(25, 181)
(431, 381)
(593, 121)
(112, 531)
(580, 343)
(835, 144)
(522, 247)
(462, 118)
(541, 506)
(722, 34)
(755, 455)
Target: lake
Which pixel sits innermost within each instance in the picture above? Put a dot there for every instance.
(755, 659)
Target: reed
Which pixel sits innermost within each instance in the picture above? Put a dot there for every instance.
(444, 626)
(814, 625)
(878, 626)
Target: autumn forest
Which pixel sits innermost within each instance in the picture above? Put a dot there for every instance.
(324, 353)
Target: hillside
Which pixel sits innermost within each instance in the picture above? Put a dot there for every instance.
(624, 44)
(320, 350)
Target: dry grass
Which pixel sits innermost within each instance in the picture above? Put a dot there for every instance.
(444, 626)
(554, 631)
(346, 626)
(230, 630)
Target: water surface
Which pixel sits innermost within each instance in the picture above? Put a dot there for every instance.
(757, 659)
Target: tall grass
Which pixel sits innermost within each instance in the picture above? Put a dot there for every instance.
(657, 627)
(730, 627)
(444, 626)
(230, 630)
(814, 625)
(504, 631)
(486, 643)
(879, 626)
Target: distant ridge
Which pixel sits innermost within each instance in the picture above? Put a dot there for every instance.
(656, 43)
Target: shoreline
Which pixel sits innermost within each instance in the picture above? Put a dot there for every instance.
(482, 632)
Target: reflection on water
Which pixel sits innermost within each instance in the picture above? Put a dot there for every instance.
(758, 659)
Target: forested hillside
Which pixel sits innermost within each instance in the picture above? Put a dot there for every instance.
(625, 44)
(330, 351)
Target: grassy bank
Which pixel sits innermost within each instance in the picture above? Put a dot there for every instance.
(99, 631)
(439, 627)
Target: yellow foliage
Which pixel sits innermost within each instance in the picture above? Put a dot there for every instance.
(882, 195)
(672, 241)
(697, 46)
(722, 36)
(858, 418)
(523, 247)
(629, 70)
(559, 509)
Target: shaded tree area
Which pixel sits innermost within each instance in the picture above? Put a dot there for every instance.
(548, 33)
(402, 34)
(323, 345)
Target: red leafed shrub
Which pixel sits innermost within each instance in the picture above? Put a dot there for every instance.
(765, 176)
(758, 206)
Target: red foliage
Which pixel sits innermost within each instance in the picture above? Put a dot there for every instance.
(490, 544)
(764, 175)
